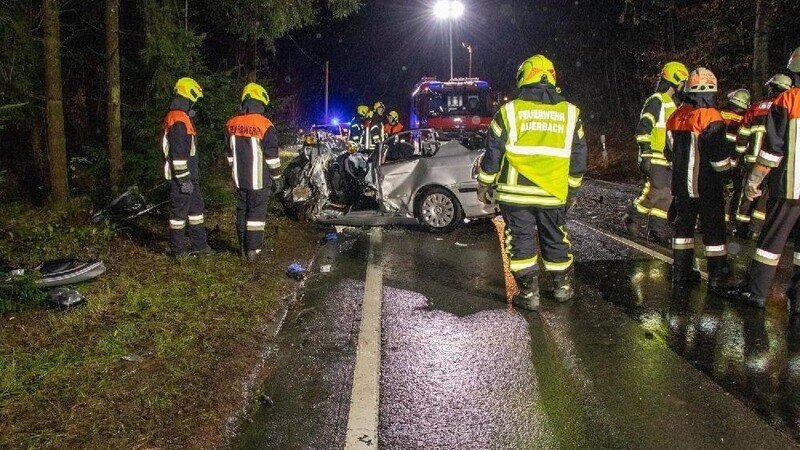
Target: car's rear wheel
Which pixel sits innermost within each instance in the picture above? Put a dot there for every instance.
(438, 210)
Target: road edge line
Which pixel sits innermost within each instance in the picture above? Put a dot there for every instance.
(362, 420)
(632, 244)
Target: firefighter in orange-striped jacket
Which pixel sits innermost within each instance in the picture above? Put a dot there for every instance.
(776, 163)
(697, 149)
(732, 114)
(181, 169)
(750, 215)
(256, 167)
(393, 125)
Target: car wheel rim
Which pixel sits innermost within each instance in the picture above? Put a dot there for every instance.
(438, 210)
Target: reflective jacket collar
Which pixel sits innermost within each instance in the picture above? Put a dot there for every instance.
(541, 93)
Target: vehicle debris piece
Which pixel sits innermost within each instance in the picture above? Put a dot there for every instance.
(64, 298)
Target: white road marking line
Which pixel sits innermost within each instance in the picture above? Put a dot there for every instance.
(630, 243)
(362, 422)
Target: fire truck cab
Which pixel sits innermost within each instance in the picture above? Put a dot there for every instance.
(461, 104)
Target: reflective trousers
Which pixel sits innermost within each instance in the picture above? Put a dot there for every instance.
(711, 211)
(524, 224)
(783, 221)
(753, 212)
(251, 216)
(652, 205)
(186, 216)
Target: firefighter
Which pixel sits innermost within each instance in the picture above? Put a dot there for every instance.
(256, 167)
(732, 114)
(648, 215)
(181, 169)
(750, 215)
(378, 119)
(358, 130)
(393, 125)
(775, 162)
(698, 152)
(535, 159)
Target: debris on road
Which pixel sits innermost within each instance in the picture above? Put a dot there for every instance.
(296, 271)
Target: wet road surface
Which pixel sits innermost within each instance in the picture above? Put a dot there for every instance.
(629, 363)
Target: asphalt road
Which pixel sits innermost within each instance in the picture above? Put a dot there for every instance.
(629, 363)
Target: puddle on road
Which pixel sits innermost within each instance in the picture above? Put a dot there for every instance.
(754, 354)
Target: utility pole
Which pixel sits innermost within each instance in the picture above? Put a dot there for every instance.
(468, 46)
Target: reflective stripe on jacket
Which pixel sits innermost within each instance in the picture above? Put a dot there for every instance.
(782, 146)
(535, 152)
(751, 133)
(652, 127)
(697, 149)
(252, 150)
(178, 143)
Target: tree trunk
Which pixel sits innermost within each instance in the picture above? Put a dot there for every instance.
(113, 114)
(761, 47)
(54, 106)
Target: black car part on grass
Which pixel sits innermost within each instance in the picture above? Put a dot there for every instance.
(130, 205)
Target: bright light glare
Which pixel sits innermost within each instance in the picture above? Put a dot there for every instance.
(446, 9)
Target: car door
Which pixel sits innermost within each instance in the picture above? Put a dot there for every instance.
(400, 162)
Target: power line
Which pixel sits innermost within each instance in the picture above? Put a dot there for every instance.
(303, 51)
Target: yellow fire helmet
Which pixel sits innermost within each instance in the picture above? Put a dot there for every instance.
(394, 116)
(378, 105)
(362, 110)
(701, 80)
(536, 69)
(256, 92)
(675, 72)
(794, 61)
(780, 82)
(189, 89)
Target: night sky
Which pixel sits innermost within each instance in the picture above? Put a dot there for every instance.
(381, 52)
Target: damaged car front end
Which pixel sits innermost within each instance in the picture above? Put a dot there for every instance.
(413, 177)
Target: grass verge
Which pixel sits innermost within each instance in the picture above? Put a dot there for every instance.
(157, 358)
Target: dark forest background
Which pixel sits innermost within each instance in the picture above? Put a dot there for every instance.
(57, 68)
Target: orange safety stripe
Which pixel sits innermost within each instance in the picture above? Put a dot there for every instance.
(693, 120)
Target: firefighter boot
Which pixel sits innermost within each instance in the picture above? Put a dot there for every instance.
(562, 282)
(660, 231)
(242, 245)
(528, 297)
(636, 224)
(683, 271)
(718, 274)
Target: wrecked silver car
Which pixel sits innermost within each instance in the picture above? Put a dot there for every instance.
(414, 177)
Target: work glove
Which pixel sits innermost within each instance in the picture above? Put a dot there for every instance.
(187, 187)
(277, 185)
(483, 193)
(572, 199)
(752, 189)
(644, 166)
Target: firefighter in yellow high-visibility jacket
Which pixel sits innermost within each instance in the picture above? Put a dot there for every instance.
(648, 215)
(535, 158)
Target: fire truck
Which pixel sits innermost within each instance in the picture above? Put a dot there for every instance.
(461, 104)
